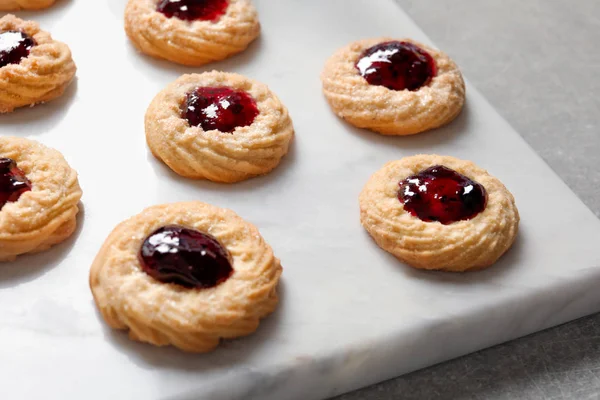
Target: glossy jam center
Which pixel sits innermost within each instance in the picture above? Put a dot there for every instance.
(13, 182)
(442, 194)
(219, 108)
(187, 257)
(397, 66)
(191, 10)
(14, 46)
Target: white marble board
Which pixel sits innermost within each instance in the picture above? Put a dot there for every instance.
(350, 314)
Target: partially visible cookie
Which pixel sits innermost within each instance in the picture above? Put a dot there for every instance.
(394, 87)
(185, 274)
(191, 32)
(439, 212)
(12, 5)
(39, 196)
(218, 126)
(34, 68)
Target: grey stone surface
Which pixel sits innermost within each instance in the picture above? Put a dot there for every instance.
(537, 62)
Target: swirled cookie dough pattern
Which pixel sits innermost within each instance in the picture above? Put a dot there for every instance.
(460, 246)
(168, 314)
(41, 76)
(46, 215)
(392, 112)
(192, 152)
(191, 42)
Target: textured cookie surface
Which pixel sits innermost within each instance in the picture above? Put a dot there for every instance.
(191, 42)
(168, 314)
(11, 5)
(46, 215)
(392, 112)
(41, 76)
(192, 152)
(459, 246)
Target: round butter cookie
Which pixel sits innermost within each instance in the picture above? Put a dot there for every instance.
(218, 126)
(34, 68)
(12, 5)
(394, 87)
(191, 32)
(439, 213)
(185, 274)
(39, 196)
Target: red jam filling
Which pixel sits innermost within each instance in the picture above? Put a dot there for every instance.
(187, 257)
(192, 10)
(13, 182)
(442, 194)
(397, 66)
(14, 46)
(219, 108)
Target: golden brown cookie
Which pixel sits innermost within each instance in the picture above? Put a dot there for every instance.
(394, 87)
(191, 32)
(218, 126)
(39, 193)
(12, 5)
(185, 274)
(34, 68)
(439, 212)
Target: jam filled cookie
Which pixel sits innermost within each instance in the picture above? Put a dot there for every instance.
(185, 274)
(39, 193)
(34, 68)
(394, 87)
(439, 212)
(191, 32)
(12, 5)
(218, 126)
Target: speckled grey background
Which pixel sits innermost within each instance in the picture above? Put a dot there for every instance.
(538, 63)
